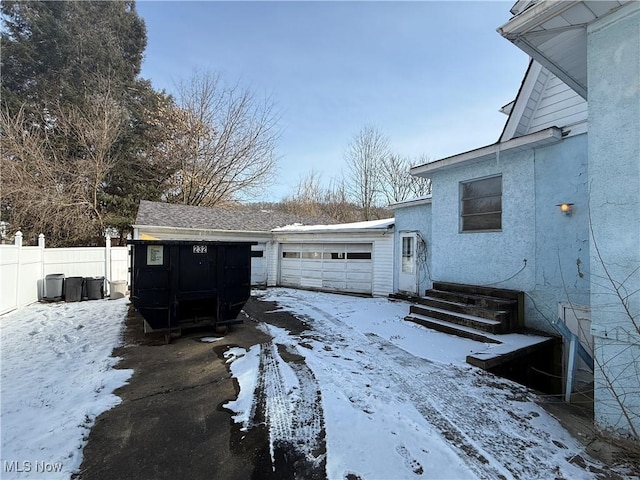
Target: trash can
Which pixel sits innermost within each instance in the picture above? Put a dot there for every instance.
(94, 287)
(53, 286)
(117, 289)
(73, 289)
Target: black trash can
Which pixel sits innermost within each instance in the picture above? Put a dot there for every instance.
(94, 287)
(73, 289)
(53, 286)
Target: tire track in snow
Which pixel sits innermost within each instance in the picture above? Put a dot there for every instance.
(476, 427)
(293, 413)
(475, 458)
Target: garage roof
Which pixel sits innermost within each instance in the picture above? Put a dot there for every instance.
(240, 218)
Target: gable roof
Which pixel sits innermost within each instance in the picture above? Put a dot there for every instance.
(543, 101)
(241, 218)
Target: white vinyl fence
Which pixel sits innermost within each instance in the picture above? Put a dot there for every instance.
(23, 269)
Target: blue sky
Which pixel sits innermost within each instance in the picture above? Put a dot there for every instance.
(430, 75)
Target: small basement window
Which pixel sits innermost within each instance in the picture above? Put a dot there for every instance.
(481, 205)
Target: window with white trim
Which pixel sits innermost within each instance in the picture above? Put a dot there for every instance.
(481, 205)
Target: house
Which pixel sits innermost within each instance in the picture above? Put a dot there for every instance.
(553, 207)
(291, 250)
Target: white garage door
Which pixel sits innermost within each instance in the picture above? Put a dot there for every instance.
(258, 265)
(333, 267)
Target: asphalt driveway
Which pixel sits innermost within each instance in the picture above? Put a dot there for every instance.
(171, 424)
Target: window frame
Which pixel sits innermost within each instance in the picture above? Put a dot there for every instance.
(462, 215)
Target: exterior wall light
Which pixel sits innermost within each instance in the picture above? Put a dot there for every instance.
(566, 208)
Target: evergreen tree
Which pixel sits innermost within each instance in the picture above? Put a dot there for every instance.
(57, 56)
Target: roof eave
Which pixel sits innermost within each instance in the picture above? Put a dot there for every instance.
(544, 137)
(198, 229)
(368, 231)
(410, 203)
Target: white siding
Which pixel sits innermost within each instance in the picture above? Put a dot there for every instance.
(383, 265)
(559, 106)
(273, 263)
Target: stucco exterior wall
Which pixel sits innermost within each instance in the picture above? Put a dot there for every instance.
(561, 241)
(539, 250)
(613, 50)
(414, 218)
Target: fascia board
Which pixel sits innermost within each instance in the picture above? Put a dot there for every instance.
(531, 77)
(207, 230)
(543, 137)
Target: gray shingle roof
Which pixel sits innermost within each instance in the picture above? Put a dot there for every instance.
(245, 217)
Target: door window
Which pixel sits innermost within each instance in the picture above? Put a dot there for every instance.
(408, 253)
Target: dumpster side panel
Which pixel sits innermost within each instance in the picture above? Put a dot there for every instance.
(234, 279)
(151, 284)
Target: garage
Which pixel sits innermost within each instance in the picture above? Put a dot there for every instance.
(348, 257)
(331, 267)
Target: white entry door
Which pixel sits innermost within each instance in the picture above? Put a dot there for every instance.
(408, 276)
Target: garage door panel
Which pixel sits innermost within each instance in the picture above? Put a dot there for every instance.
(359, 287)
(333, 276)
(311, 282)
(312, 274)
(359, 276)
(331, 285)
(334, 266)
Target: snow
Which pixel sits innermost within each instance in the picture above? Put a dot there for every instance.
(397, 400)
(57, 376)
(361, 393)
(372, 224)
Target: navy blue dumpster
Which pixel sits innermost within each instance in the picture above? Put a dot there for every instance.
(179, 284)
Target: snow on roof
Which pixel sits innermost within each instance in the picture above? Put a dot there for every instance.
(370, 225)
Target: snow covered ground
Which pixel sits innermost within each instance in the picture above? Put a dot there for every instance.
(390, 399)
(57, 377)
(360, 395)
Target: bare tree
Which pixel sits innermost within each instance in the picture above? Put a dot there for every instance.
(397, 184)
(365, 156)
(226, 145)
(307, 197)
(51, 186)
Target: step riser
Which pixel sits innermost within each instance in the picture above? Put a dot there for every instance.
(483, 312)
(451, 317)
(450, 329)
(482, 302)
(477, 290)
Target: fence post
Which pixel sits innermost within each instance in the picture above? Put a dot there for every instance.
(42, 293)
(18, 243)
(107, 263)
